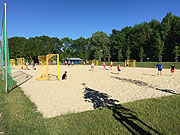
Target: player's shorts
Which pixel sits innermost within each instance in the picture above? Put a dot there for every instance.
(159, 69)
(104, 66)
(92, 66)
(172, 70)
(110, 65)
(119, 70)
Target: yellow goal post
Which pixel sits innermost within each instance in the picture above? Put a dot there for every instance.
(21, 63)
(130, 63)
(95, 62)
(12, 62)
(49, 67)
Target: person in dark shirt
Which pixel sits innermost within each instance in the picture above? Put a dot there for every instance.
(172, 69)
(64, 76)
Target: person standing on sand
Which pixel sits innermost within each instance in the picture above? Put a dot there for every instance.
(69, 63)
(27, 65)
(127, 64)
(159, 65)
(33, 65)
(172, 69)
(111, 65)
(104, 65)
(65, 63)
(92, 66)
(118, 68)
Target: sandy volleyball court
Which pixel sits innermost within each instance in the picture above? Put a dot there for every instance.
(87, 90)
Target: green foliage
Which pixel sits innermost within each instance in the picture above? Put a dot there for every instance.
(33, 47)
(99, 43)
(120, 55)
(128, 52)
(159, 45)
(15, 46)
(141, 52)
(79, 48)
(176, 51)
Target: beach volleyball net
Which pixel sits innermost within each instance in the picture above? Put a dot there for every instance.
(49, 67)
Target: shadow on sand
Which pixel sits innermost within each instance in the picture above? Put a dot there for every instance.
(98, 99)
(20, 78)
(141, 83)
(124, 115)
(148, 74)
(114, 73)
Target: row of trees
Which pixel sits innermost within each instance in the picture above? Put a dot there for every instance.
(149, 41)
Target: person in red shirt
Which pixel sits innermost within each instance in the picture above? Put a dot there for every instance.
(172, 69)
(111, 65)
(118, 68)
(104, 65)
(27, 65)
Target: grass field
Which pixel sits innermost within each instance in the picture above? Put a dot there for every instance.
(166, 65)
(144, 117)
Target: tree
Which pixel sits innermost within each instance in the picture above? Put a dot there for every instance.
(120, 55)
(119, 41)
(66, 43)
(176, 52)
(166, 28)
(79, 48)
(159, 46)
(138, 37)
(141, 54)
(99, 43)
(15, 46)
(128, 52)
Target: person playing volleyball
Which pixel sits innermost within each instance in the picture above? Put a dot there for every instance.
(111, 65)
(159, 65)
(118, 68)
(92, 66)
(172, 69)
(104, 65)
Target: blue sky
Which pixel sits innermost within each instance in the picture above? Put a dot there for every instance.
(80, 18)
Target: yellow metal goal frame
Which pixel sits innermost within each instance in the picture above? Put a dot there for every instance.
(129, 60)
(21, 63)
(12, 62)
(95, 62)
(46, 77)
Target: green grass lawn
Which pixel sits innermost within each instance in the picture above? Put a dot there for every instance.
(143, 117)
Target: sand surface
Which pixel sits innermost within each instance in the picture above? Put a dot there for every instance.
(87, 90)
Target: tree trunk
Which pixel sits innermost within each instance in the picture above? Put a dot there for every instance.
(99, 59)
(176, 59)
(160, 58)
(109, 59)
(141, 59)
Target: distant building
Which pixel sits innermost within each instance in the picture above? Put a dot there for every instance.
(74, 60)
